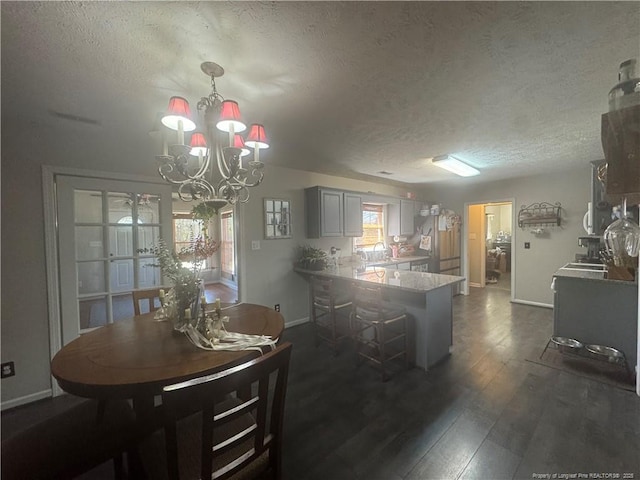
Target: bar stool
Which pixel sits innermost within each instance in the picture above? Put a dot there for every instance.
(380, 329)
(327, 305)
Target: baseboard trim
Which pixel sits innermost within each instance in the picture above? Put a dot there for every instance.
(297, 322)
(533, 304)
(16, 402)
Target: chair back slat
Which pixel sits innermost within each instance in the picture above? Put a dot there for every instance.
(368, 299)
(206, 446)
(150, 295)
(235, 430)
(263, 393)
(322, 288)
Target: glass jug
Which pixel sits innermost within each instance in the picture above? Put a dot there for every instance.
(622, 238)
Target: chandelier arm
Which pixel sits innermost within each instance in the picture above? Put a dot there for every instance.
(197, 189)
(254, 173)
(204, 167)
(165, 171)
(226, 191)
(222, 164)
(242, 193)
(208, 189)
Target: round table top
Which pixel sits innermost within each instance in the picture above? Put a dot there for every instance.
(139, 356)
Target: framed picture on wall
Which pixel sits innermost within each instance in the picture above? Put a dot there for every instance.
(277, 218)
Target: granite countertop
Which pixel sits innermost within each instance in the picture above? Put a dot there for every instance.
(392, 261)
(387, 277)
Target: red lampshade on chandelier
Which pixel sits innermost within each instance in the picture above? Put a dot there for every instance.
(198, 144)
(239, 142)
(218, 177)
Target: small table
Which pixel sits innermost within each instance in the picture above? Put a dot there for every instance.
(136, 358)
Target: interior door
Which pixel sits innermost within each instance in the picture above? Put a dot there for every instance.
(106, 229)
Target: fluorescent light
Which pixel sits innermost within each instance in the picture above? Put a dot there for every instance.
(454, 165)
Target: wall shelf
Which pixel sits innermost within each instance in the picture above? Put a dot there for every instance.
(539, 215)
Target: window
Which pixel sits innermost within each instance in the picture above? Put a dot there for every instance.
(185, 229)
(372, 227)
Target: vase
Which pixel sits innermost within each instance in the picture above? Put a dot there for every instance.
(181, 303)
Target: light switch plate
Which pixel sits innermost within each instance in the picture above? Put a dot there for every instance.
(255, 244)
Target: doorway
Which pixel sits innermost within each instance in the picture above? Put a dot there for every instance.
(99, 252)
(489, 256)
(229, 252)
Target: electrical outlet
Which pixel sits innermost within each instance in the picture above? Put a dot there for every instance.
(255, 244)
(277, 307)
(527, 244)
(8, 369)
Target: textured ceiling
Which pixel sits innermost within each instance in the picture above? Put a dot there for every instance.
(347, 88)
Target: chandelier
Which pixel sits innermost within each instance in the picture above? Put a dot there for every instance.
(205, 170)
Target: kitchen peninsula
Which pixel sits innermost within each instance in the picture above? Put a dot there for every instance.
(426, 296)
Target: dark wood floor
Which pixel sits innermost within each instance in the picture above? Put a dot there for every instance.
(485, 413)
(219, 290)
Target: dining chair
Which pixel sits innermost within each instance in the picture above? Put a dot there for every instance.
(380, 329)
(328, 306)
(150, 295)
(72, 442)
(236, 431)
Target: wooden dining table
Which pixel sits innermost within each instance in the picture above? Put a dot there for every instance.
(137, 357)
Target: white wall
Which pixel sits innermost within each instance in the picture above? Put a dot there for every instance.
(534, 266)
(501, 221)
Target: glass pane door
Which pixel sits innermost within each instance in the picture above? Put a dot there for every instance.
(106, 230)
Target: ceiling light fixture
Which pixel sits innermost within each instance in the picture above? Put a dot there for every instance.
(454, 165)
(204, 169)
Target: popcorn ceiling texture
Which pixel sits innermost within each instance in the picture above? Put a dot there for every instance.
(347, 88)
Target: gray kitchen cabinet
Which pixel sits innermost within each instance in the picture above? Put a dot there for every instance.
(597, 311)
(393, 219)
(352, 214)
(407, 213)
(401, 217)
(333, 213)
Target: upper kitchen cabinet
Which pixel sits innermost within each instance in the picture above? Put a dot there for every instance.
(352, 215)
(621, 145)
(333, 213)
(401, 217)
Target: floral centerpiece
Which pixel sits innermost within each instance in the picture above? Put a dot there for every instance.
(180, 304)
(185, 282)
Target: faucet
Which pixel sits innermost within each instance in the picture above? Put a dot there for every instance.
(384, 248)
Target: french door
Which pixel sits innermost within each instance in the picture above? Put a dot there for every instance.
(106, 229)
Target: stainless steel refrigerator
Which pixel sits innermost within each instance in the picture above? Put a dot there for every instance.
(439, 237)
